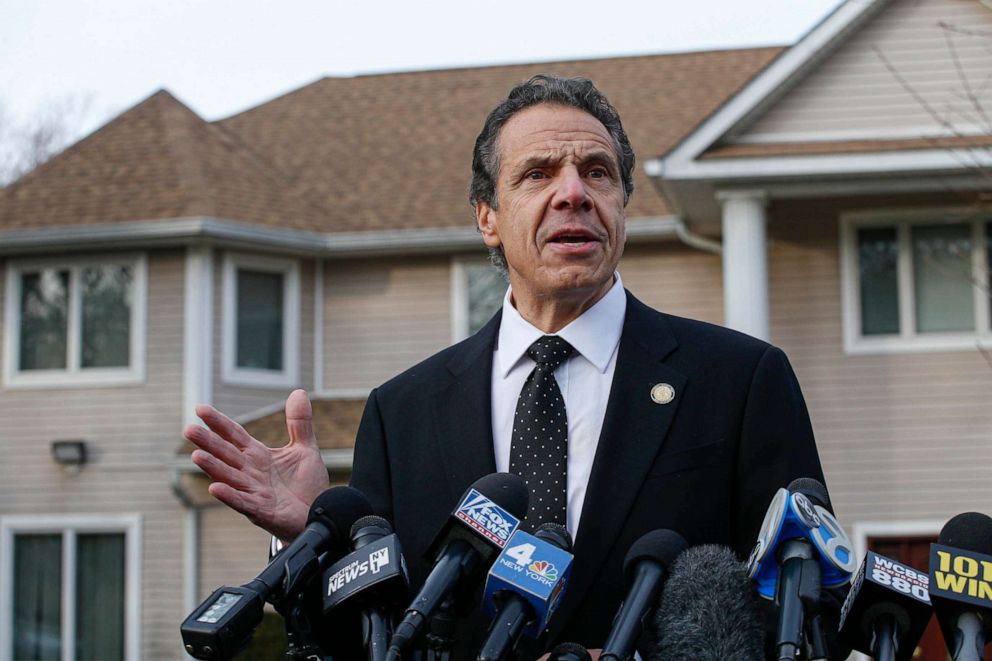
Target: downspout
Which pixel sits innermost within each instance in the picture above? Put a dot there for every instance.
(697, 241)
(191, 544)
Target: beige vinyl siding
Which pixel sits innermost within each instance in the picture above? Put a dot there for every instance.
(382, 316)
(232, 550)
(237, 400)
(902, 436)
(132, 432)
(852, 94)
(675, 279)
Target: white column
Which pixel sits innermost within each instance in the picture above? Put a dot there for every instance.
(197, 330)
(745, 261)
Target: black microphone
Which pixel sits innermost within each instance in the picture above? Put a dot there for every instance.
(525, 586)
(371, 580)
(708, 611)
(887, 609)
(644, 570)
(961, 584)
(225, 622)
(569, 652)
(471, 538)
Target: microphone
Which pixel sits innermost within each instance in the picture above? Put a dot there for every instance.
(477, 530)
(569, 652)
(801, 548)
(372, 579)
(961, 584)
(887, 609)
(224, 623)
(524, 587)
(644, 570)
(708, 611)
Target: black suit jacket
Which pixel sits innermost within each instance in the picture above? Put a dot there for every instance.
(706, 464)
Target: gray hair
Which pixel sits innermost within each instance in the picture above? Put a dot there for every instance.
(572, 92)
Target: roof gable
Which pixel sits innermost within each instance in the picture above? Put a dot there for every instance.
(859, 83)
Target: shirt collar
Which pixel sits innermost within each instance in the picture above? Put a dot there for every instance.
(595, 333)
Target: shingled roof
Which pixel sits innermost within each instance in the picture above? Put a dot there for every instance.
(375, 152)
(393, 151)
(158, 160)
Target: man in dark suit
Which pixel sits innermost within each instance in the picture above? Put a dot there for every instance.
(689, 426)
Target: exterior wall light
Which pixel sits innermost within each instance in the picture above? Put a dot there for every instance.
(71, 455)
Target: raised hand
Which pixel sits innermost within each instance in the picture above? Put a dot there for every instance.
(273, 487)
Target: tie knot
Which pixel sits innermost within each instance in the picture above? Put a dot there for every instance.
(550, 351)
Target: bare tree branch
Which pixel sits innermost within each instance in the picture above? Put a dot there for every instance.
(26, 144)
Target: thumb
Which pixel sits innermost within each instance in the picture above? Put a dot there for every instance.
(299, 419)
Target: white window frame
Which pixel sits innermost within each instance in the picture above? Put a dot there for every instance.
(260, 378)
(459, 294)
(908, 340)
(69, 526)
(74, 375)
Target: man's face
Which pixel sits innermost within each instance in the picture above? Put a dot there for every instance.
(560, 219)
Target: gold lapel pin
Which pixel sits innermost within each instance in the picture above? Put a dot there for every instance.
(662, 393)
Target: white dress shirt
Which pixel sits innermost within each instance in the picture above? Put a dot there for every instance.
(584, 380)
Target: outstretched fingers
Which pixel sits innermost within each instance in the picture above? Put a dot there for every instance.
(226, 428)
(213, 444)
(222, 472)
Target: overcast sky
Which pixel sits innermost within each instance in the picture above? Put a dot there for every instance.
(222, 56)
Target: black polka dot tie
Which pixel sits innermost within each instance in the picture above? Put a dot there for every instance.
(539, 449)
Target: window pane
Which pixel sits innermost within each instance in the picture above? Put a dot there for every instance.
(106, 308)
(37, 597)
(100, 597)
(877, 260)
(486, 288)
(942, 278)
(44, 311)
(260, 320)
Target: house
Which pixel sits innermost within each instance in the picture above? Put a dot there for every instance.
(323, 240)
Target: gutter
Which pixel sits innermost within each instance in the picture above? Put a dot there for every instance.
(231, 233)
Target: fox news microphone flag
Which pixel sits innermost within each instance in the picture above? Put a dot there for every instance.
(468, 543)
(961, 584)
(887, 609)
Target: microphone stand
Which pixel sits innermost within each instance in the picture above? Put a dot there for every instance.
(441, 637)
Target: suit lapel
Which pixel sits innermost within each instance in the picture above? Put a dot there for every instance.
(634, 429)
(462, 412)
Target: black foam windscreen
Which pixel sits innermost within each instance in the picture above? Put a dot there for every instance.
(971, 531)
(507, 490)
(338, 508)
(661, 546)
(555, 533)
(812, 489)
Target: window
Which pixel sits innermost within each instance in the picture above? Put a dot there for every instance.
(261, 321)
(77, 322)
(477, 294)
(69, 587)
(917, 282)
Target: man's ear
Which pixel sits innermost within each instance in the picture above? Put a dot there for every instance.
(485, 216)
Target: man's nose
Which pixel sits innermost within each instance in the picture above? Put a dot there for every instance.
(571, 191)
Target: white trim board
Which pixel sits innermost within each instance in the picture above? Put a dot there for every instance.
(74, 375)
(288, 376)
(239, 235)
(69, 525)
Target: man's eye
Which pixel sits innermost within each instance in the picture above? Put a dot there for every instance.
(598, 173)
(534, 174)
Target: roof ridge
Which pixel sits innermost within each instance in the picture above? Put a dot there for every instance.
(186, 154)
